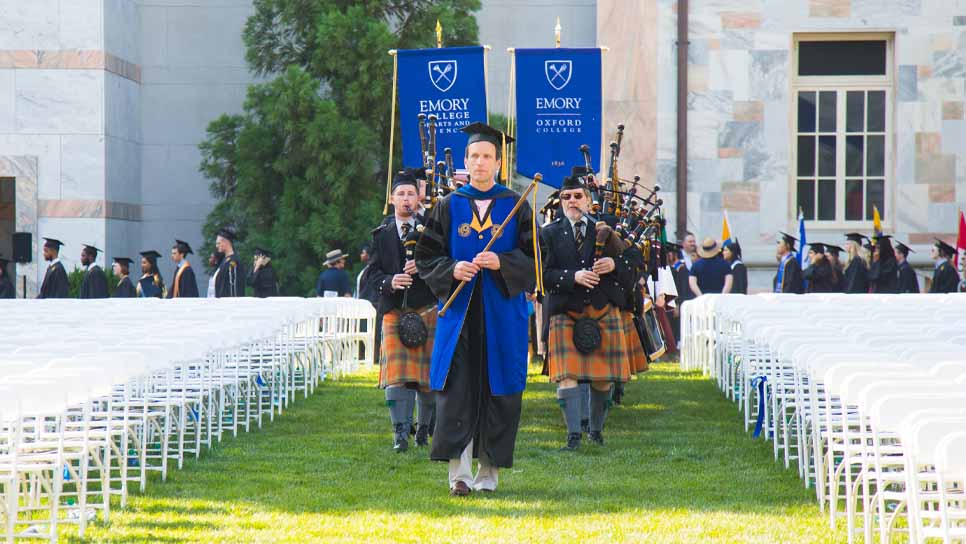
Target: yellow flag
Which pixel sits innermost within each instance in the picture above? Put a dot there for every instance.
(876, 221)
(725, 230)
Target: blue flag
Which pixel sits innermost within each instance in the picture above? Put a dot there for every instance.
(558, 105)
(449, 83)
(802, 262)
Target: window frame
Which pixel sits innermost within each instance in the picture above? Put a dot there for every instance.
(841, 85)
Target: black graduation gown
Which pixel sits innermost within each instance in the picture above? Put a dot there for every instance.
(739, 281)
(55, 282)
(681, 275)
(884, 276)
(124, 289)
(230, 281)
(94, 284)
(945, 279)
(791, 278)
(150, 287)
(466, 409)
(7, 289)
(263, 282)
(187, 284)
(856, 277)
(908, 282)
(821, 277)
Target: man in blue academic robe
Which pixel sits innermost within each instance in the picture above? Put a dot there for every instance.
(479, 362)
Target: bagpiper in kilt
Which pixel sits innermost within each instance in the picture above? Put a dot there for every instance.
(585, 293)
(404, 300)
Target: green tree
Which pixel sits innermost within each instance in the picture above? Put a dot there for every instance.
(302, 169)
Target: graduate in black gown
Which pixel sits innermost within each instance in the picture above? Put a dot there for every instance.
(884, 271)
(122, 269)
(731, 250)
(944, 279)
(230, 277)
(151, 284)
(55, 283)
(832, 253)
(479, 362)
(263, 280)
(94, 284)
(908, 282)
(857, 272)
(819, 274)
(789, 276)
(184, 284)
(7, 289)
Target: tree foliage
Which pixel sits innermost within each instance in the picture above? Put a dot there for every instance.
(302, 169)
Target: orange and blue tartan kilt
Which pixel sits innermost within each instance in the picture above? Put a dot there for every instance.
(635, 350)
(608, 363)
(399, 364)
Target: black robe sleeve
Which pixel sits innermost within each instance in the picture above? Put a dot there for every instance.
(189, 285)
(945, 280)
(376, 276)
(94, 284)
(7, 289)
(433, 262)
(124, 289)
(792, 277)
(908, 282)
(556, 278)
(263, 282)
(55, 283)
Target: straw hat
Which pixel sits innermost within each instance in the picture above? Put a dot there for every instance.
(709, 248)
(334, 256)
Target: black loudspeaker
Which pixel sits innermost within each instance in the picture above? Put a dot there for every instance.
(22, 242)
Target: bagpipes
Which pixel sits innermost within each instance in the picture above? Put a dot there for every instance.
(441, 176)
(411, 329)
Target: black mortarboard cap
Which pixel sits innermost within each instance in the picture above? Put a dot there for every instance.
(789, 239)
(855, 237)
(264, 252)
(123, 260)
(481, 132)
(150, 254)
(903, 248)
(835, 250)
(53, 243)
(183, 247)
(817, 247)
(945, 248)
(227, 234)
(405, 177)
(92, 248)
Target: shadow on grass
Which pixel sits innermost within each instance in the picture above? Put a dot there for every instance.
(674, 444)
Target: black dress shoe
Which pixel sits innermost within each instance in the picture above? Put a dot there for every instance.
(422, 435)
(460, 489)
(596, 437)
(401, 443)
(573, 442)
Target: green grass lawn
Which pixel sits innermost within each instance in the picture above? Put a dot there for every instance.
(677, 467)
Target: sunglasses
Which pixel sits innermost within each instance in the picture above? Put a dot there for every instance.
(575, 196)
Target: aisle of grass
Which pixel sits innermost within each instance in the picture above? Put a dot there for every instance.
(677, 467)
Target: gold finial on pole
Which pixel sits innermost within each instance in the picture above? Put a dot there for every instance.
(556, 32)
(439, 34)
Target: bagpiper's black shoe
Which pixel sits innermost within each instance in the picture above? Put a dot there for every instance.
(412, 430)
(402, 443)
(596, 437)
(618, 396)
(573, 442)
(585, 426)
(422, 435)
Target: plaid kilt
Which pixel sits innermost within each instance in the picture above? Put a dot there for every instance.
(610, 362)
(399, 364)
(635, 350)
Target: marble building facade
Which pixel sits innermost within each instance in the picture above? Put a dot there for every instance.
(743, 85)
(102, 105)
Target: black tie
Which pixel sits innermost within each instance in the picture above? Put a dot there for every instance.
(579, 236)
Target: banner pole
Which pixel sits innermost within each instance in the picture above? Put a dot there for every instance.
(556, 32)
(392, 128)
(603, 109)
(486, 79)
(439, 35)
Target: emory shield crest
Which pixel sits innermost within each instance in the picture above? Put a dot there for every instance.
(558, 73)
(442, 73)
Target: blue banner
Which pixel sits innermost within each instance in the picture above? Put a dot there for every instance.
(449, 83)
(558, 104)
